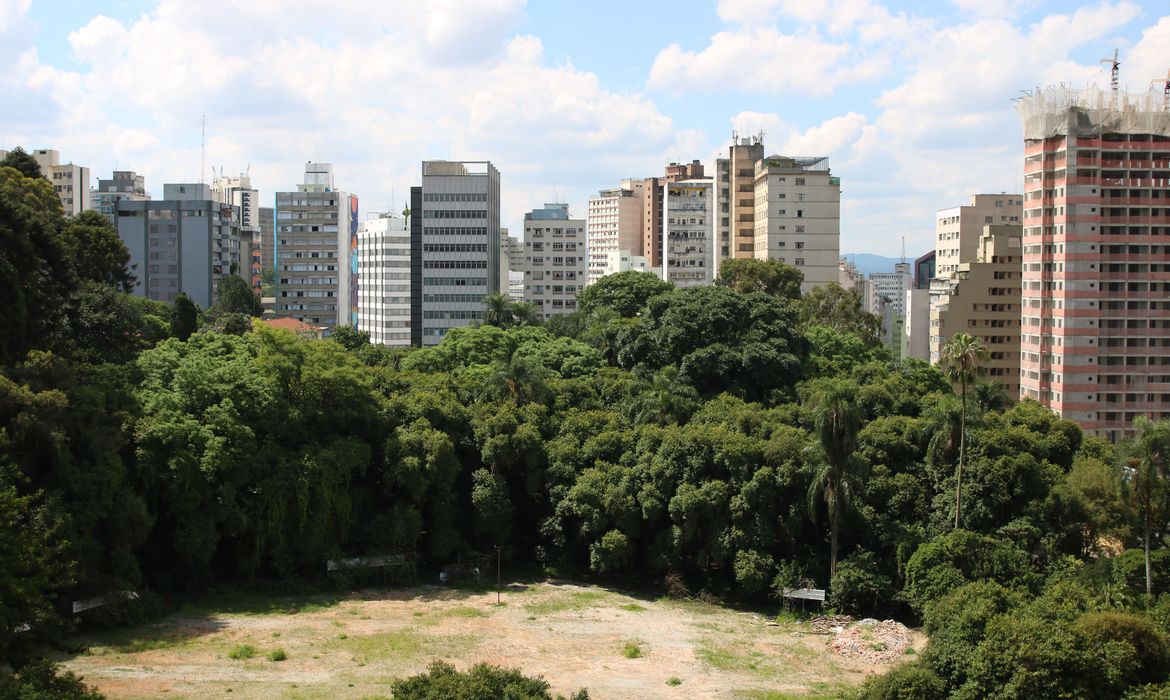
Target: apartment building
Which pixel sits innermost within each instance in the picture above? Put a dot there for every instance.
(455, 227)
(237, 190)
(314, 251)
(688, 237)
(620, 261)
(185, 242)
(982, 298)
(885, 297)
(555, 264)
(125, 184)
(614, 222)
(797, 216)
(383, 274)
(1096, 256)
(70, 182)
(511, 263)
(736, 196)
(958, 229)
(652, 191)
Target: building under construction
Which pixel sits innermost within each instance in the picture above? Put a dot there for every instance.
(1095, 335)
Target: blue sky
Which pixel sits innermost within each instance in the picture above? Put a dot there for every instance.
(911, 100)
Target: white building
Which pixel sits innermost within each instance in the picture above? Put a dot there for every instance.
(555, 265)
(690, 250)
(916, 329)
(621, 261)
(314, 255)
(70, 182)
(384, 300)
(889, 288)
(797, 216)
(614, 224)
(237, 190)
(511, 263)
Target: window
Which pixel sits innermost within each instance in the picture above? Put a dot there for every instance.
(799, 181)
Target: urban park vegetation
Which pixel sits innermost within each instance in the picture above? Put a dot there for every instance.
(732, 440)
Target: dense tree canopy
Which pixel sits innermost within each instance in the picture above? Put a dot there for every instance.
(767, 276)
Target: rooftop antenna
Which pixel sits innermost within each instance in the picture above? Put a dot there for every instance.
(203, 151)
(1165, 90)
(1114, 75)
(903, 250)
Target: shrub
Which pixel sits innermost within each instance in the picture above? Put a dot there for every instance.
(44, 681)
(243, 651)
(958, 557)
(631, 650)
(859, 587)
(674, 586)
(277, 655)
(753, 570)
(1149, 648)
(613, 552)
(480, 682)
(906, 682)
(956, 623)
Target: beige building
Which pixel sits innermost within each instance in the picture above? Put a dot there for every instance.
(688, 236)
(958, 229)
(736, 196)
(614, 223)
(982, 298)
(652, 189)
(555, 267)
(70, 182)
(797, 217)
(511, 262)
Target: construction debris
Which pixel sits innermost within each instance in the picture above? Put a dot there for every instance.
(872, 641)
(827, 624)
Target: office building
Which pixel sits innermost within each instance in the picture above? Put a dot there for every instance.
(185, 242)
(511, 263)
(797, 216)
(886, 299)
(614, 222)
(455, 227)
(383, 273)
(555, 266)
(958, 229)
(925, 269)
(982, 298)
(688, 236)
(125, 184)
(1096, 256)
(314, 251)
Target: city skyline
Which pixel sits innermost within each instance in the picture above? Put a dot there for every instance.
(910, 102)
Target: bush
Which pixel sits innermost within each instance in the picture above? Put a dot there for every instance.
(613, 552)
(277, 655)
(753, 570)
(906, 682)
(480, 682)
(859, 587)
(43, 681)
(956, 624)
(241, 652)
(674, 586)
(1149, 648)
(958, 557)
(1159, 691)
(1129, 570)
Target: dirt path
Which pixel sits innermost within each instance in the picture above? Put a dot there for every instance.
(575, 636)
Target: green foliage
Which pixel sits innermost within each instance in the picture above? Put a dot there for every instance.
(948, 561)
(22, 161)
(277, 655)
(747, 275)
(956, 623)
(235, 295)
(624, 293)
(242, 652)
(185, 319)
(840, 310)
(350, 338)
(96, 251)
(480, 682)
(631, 650)
(906, 682)
(859, 586)
(43, 681)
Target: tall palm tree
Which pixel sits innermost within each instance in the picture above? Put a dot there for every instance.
(1146, 480)
(838, 420)
(498, 310)
(962, 361)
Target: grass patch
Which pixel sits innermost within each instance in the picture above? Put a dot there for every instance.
(697, 607)
(631, 650)
(777, 695)
(241, 603)
(633, 607)
(577, 600)
(133, 642)
(401, 644)
(463, 611)
(673, 681)
(277, 655)
(241, 652)
(735, 656)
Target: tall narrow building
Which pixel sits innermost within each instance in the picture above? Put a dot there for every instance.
(314, 251)
(1096, 247)
(457, 215)
(958, 229)
(796, 216)
(688, 236)
(615, 223)
(740, 197)
(384, 299)
(555, 266)
(237, 190)
(652, 191)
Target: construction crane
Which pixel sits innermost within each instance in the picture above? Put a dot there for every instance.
(1165, 90)
(1115, 75)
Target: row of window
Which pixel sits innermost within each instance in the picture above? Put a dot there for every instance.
(455, 264)
(454, 231)
(455, 248)
(454, 214)
(454, 197)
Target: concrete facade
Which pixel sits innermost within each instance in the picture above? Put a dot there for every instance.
(70, 182)
(614, 222)
(688, 237)
(916, 327)
(1096, 257)
(511, 263)
(185, 242)
(314, 251)
(555, 264)
(886, 299)
(458, 215)
(124, 184)
(384, 299)
(982, 298)
(621, 261)
(743, 156)
(957, 229)
(237, 190)
(652, 206)
(797, 217)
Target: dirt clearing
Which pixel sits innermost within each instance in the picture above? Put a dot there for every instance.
(350, 647)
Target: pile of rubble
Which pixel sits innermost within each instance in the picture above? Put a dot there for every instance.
(872, 641)
(827, 624)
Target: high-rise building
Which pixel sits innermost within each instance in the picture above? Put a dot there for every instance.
(925, 269)
(688, 238)
(1094, 344)
(125, 184)
(615, 223)
(555, 266)
(185, 242)
(736, 194)
(511, 262)
(886, 299)
(456, 218)
(314, 251)
(652, 206)
(797, 216)
(70, 182)
(267, 238)
(958, 229)
(237, 190)
(384, 298)
(982, 298)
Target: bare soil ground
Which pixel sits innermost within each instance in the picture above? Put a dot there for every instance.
(354, 646)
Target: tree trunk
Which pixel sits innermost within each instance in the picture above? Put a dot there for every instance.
(834, 526)
(962, 451)
(1149, 578)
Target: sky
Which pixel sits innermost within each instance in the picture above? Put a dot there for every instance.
(912, 101)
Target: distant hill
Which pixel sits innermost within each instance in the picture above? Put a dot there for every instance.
(870, 263)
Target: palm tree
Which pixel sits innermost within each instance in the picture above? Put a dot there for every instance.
(498, 310)
(523, 380)
(667, 400)
(838, 420)
(1146, 478)
(962, 361)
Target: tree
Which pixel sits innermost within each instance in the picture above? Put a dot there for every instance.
(96, 251)
(350, 338)
(185, 318)
(1146, 481)
(837, 421)
(498, 310)
(962, 361)
(480, 682)
(840, 309)
(767, 276)
(627, 293)
(19, 159)
(235, 296)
